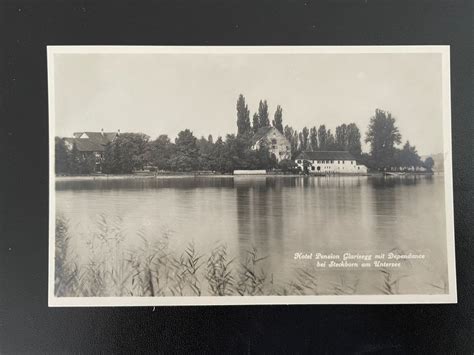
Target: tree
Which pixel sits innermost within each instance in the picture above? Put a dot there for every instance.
(128, 152)
(61, 156)
(75, 160)
(205, 148)
(278, 119)
(218, 156)
(87, 163)
(304, 139)
(288, 166)
(243, 116)
(322, 138)
(408, 157)
(428, 164)
(186, 157)
(382, 135)
(235, 153)
(264, 121)
(159, 152)
(255, 122)
(313, 139)
(292, 137)
(330, 141)
(353, 140)
(341, 137)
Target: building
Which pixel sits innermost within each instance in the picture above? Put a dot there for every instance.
(91, 143)
(338, 162)
(274, 140)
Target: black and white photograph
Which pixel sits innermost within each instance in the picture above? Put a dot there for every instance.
(227, 175)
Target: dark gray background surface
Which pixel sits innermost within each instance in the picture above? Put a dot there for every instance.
(27, 324)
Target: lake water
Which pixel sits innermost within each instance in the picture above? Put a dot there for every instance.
(280, 216)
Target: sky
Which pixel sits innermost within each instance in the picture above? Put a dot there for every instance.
(157, 93)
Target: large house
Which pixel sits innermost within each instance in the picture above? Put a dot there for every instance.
(91, 143)
(340, 162)
(274, 140)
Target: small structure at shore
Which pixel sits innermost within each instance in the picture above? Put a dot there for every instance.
(329, 162)
(250, 172)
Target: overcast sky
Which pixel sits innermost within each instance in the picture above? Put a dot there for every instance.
(165, 93)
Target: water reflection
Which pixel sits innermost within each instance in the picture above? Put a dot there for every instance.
(278, 215)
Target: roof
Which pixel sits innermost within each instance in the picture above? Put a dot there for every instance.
(261, 132)
(95, 142)
(86, 145)
(98, 137)
(326, 155)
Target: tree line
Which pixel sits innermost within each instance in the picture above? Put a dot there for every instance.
(131, 152)
(136, 151)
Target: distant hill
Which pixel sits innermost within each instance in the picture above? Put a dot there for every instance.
(438, 160)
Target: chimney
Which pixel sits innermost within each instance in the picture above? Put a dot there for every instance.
(102, 131)
(118, 132)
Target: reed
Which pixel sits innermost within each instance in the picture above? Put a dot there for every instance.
(152, 268)
(219, 273)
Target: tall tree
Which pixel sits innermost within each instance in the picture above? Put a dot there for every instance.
(313, 139)
(304, 139)
(218, 156)
(255, 122)
(243, 116)
(382, 135)
(278, 119)
(292, 137)
(322, 138)
(330, 141)
(341, 137)
(353, 140)
(264, 121)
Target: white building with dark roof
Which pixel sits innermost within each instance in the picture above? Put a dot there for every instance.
(274, 140)
(330, 162)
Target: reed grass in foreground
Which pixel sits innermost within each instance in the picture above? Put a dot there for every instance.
(153, 269)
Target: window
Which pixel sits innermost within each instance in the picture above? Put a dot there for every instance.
(274, 141)
(274, 146)
(299, 161)
(332, 161)
(312, 168)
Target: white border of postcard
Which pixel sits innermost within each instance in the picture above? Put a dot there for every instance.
(54, 301)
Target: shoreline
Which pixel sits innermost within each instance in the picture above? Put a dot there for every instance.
(177, 175)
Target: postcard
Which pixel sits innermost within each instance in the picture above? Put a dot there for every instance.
(233, 175)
